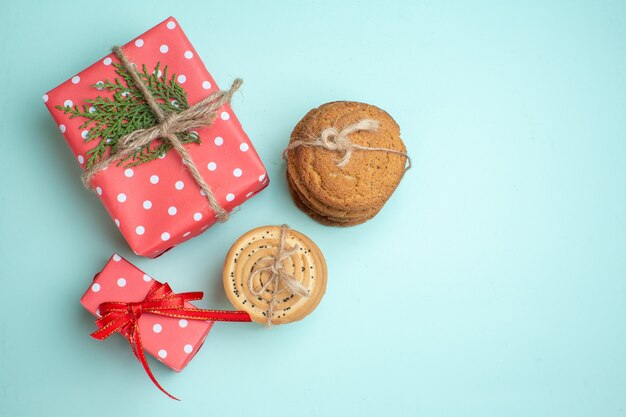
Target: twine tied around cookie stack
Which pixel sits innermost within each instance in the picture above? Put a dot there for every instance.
(278, 275)
(331, 184)
(197, 116)
(336, 140)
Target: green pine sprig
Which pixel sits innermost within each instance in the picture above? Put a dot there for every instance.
(109, 119)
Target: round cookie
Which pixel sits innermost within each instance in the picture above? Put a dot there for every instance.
(324, 219)
(370, 177)
(334, 214)
(320, 208)
(254, 254)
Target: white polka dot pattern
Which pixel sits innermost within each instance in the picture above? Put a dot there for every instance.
(160, 198)
(169, 339)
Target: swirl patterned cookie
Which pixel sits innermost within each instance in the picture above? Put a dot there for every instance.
(276, 274)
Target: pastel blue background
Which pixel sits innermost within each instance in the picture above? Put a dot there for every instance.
(492, 284)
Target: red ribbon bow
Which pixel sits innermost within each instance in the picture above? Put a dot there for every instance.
(123, 317)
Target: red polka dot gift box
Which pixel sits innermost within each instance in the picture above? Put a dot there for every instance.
(150, 315)
(150, 193)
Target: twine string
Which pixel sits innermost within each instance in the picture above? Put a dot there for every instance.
(336, 140)
(278, 276)
(170, 124)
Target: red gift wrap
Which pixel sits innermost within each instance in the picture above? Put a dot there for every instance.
(172, 341)
(157, 204)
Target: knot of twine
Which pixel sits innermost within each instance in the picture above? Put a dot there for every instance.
(336, 140)
(197, 116)
(278, 275)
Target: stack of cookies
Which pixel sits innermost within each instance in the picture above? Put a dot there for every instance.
(339, 189)
(276, 274)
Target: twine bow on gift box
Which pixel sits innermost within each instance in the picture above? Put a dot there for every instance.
(336, 140)
(170, 124)
(160, 300)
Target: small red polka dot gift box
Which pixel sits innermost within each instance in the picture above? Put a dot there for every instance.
(150, 315)
(151, 191)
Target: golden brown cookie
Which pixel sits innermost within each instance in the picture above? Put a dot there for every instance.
(368, 179)
(317, 205)
(325, 220)
(275, 282)
(330, 213)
